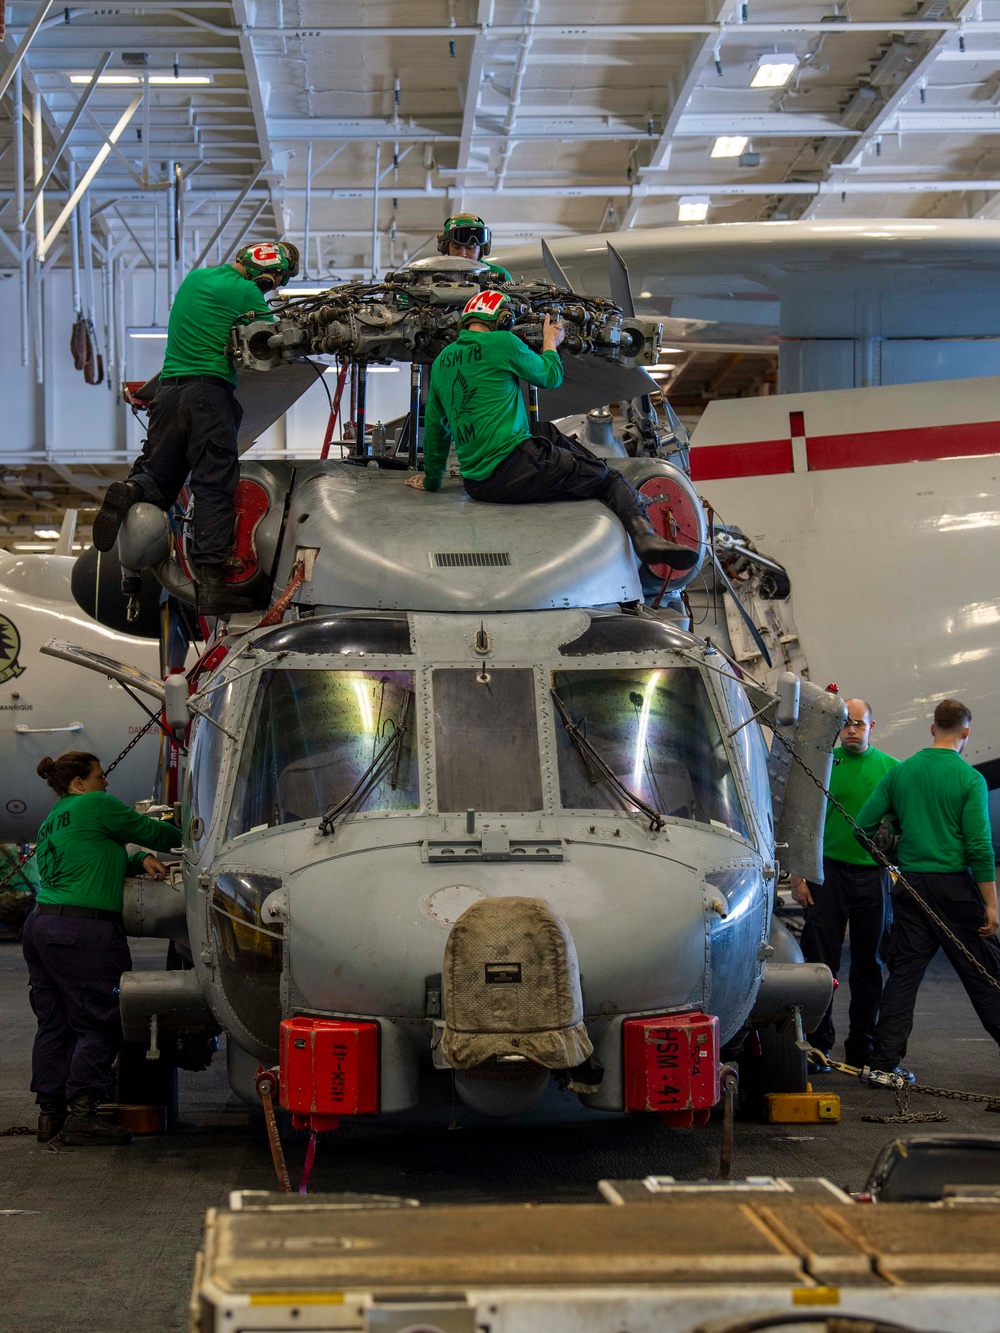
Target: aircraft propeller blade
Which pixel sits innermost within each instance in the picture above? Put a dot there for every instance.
(754, 631)
(621, 288)
(553, 267)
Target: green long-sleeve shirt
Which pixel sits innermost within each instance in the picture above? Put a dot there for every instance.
(475, 401)
(854, 778)
(208, 303)
(82, 858)
(940, 806)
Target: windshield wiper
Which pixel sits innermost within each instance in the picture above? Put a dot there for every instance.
(393, 748)
(592, 759)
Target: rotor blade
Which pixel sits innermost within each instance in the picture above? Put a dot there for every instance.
(754, 631)
(553, 267)
(589, 382)
(621, 288)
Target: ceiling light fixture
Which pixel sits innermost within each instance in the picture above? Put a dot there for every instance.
(162, 80)
(148, 332)
(774, 71)
(47, 534)
(692, 208)
(729, 145)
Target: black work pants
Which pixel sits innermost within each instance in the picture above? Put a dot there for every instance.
(548, 465)
(913, 942)
(856, 897)
(193, 422)
(74, 967)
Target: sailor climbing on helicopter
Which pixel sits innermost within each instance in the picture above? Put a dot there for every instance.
(475, 402)
(195, 417)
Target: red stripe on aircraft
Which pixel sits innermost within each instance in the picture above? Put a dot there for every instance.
(920, 444)
(759, 458)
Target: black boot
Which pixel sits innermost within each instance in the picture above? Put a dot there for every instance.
(83, 1129)
(652, 549)
(51, 1117)
(625, 501)
(118, 500)
(215, 597)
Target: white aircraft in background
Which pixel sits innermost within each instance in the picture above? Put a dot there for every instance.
(45, 707)
(883, 505)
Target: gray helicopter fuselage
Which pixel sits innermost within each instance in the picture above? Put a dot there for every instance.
(290, 913)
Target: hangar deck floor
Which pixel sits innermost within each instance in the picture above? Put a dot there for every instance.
(104, 1239)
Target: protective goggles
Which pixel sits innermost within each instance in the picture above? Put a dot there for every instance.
(469, 235)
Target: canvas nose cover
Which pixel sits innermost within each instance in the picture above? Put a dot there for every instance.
(512, 987)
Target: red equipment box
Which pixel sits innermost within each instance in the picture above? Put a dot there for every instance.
(329, 1068)
(672, 1066)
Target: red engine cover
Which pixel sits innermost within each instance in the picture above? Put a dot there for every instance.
(673, 518)
(328, 1068)
(672, 1065)
(251, 503)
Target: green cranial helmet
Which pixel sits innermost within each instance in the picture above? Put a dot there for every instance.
(466, 229)
(269, 264)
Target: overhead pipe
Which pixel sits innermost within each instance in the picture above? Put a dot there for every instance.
(39, 160)
(375, 188)
(156, 263)
(22, 239)
(588, 31)
(173, 231)
(520, 66)
(308, 216)
(727, 188)
(74, 234)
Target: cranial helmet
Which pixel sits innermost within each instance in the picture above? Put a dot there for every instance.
(489, 307)
(466, 229)
(269, 264)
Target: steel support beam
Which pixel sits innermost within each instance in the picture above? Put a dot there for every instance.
(88, 175)
(70, 126)
(22, 50)
(660, 158)
(237, 203)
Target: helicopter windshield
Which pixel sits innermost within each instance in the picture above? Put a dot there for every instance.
(312, 740)
(657, 732)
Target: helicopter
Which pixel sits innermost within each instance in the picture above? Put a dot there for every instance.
(471, 804)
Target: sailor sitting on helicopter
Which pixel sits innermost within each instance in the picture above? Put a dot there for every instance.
(475, 402)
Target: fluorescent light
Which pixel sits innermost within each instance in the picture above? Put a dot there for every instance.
(692, 208)
(383, 370)
(662, 370)
(671, 351)
(42, 548)
(774, 71)
(146, 333)
(105, 78)
(729, 145)
(303, 291)
(47, 534)
(183, 81)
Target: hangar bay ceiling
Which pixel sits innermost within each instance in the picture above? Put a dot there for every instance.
(177, 130)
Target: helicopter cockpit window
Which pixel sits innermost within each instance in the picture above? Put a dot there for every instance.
(205, 762)
(321, 739)
(656, 731)
(486, 740)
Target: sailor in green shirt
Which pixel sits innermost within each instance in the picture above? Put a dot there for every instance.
(475, 402)
(194, 417)
(939, 805)
(854, 893)
(467, 236)
(75, 946)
